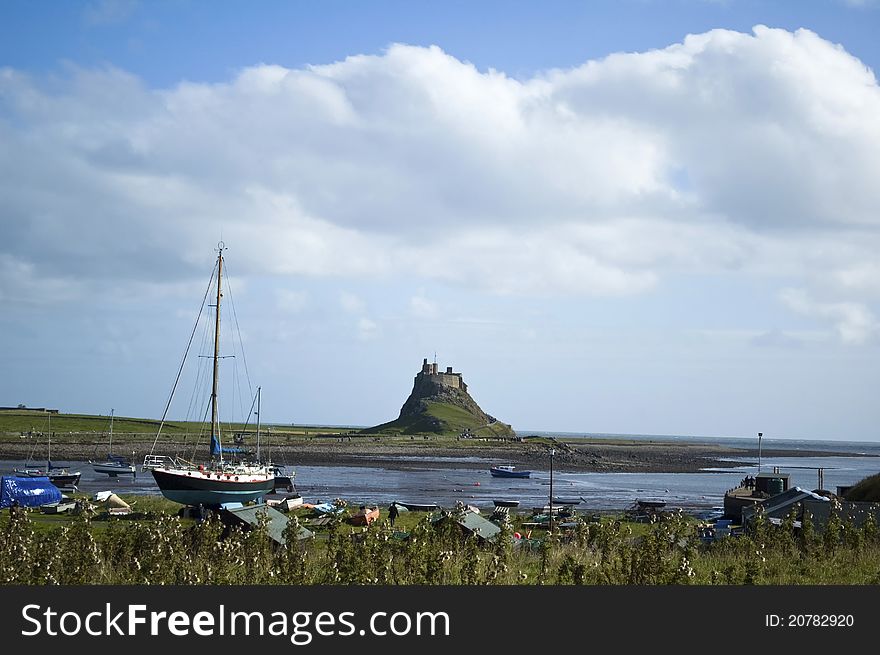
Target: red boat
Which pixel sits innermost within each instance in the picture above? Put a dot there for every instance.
(365, 516)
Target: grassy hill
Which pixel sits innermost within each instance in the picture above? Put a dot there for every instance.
(866, 490)
(442, 418)
(24, 421)
(74, 427)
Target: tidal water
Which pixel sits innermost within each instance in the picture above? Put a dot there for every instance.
(423, 483)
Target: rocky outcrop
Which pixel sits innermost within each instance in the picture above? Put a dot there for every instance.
(426, 389)
(440, 403)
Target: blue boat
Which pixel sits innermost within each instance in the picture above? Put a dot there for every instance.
(508, 471)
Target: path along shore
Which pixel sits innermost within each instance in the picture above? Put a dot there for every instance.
(574, 455)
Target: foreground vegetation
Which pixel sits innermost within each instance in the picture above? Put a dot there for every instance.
(867, 490)
(164, 549)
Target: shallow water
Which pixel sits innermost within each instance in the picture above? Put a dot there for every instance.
(445, 486)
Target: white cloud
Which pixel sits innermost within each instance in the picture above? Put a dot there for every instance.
(18, 284)
(736, 152)
(351, 303)
(291, 301)
(367, 329)
(421, 307)
(862, 277)
(854, 322)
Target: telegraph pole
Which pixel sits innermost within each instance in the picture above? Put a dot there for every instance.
(552, 453)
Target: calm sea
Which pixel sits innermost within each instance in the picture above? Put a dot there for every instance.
(425, 483)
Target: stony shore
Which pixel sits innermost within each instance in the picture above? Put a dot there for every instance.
(606, 455)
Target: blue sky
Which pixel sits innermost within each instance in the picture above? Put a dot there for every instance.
(166, 41)
(627, 217)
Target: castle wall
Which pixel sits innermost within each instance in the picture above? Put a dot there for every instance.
(449, 379)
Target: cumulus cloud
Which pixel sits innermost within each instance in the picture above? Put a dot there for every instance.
(367, 329)
(291, 301)
(854, 322)
(351, 303)
(725, 152)
(422, 307)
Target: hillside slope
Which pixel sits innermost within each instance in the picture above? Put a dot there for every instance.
(437, 408)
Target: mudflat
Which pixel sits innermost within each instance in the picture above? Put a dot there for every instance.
(577, 455)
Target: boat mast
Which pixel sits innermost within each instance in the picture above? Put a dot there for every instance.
(49, 447)
(111, 431)
(259, 389)
(215, 428)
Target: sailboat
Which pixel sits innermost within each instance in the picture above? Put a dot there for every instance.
(219, 480)
(58, 476)
(114, 464)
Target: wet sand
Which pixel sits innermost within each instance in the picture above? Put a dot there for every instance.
(575, 455)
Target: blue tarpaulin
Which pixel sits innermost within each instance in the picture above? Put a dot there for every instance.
(29, 492)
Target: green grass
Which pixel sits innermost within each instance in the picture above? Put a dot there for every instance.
(443, 419)
(162, 549)
(866, 490)
(77, 428)
(74, 427)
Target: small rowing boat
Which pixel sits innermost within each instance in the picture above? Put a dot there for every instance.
(365, 515)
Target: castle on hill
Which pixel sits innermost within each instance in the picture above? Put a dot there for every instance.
(440, 403)
(429, 373)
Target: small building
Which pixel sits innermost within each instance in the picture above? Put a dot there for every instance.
(818, 508)
(34, 410)
(758, 489)
(781, 505)
(855, 513)
(772, 483)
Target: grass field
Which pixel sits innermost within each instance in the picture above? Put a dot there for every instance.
(14, 423)
(157, 547)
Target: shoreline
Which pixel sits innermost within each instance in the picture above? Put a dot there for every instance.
(574, 455)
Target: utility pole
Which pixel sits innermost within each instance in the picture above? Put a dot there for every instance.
(552, 453)
(760, 434)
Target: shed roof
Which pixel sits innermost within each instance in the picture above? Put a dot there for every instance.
(250, 515)
(780, 504)
(481, 527)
